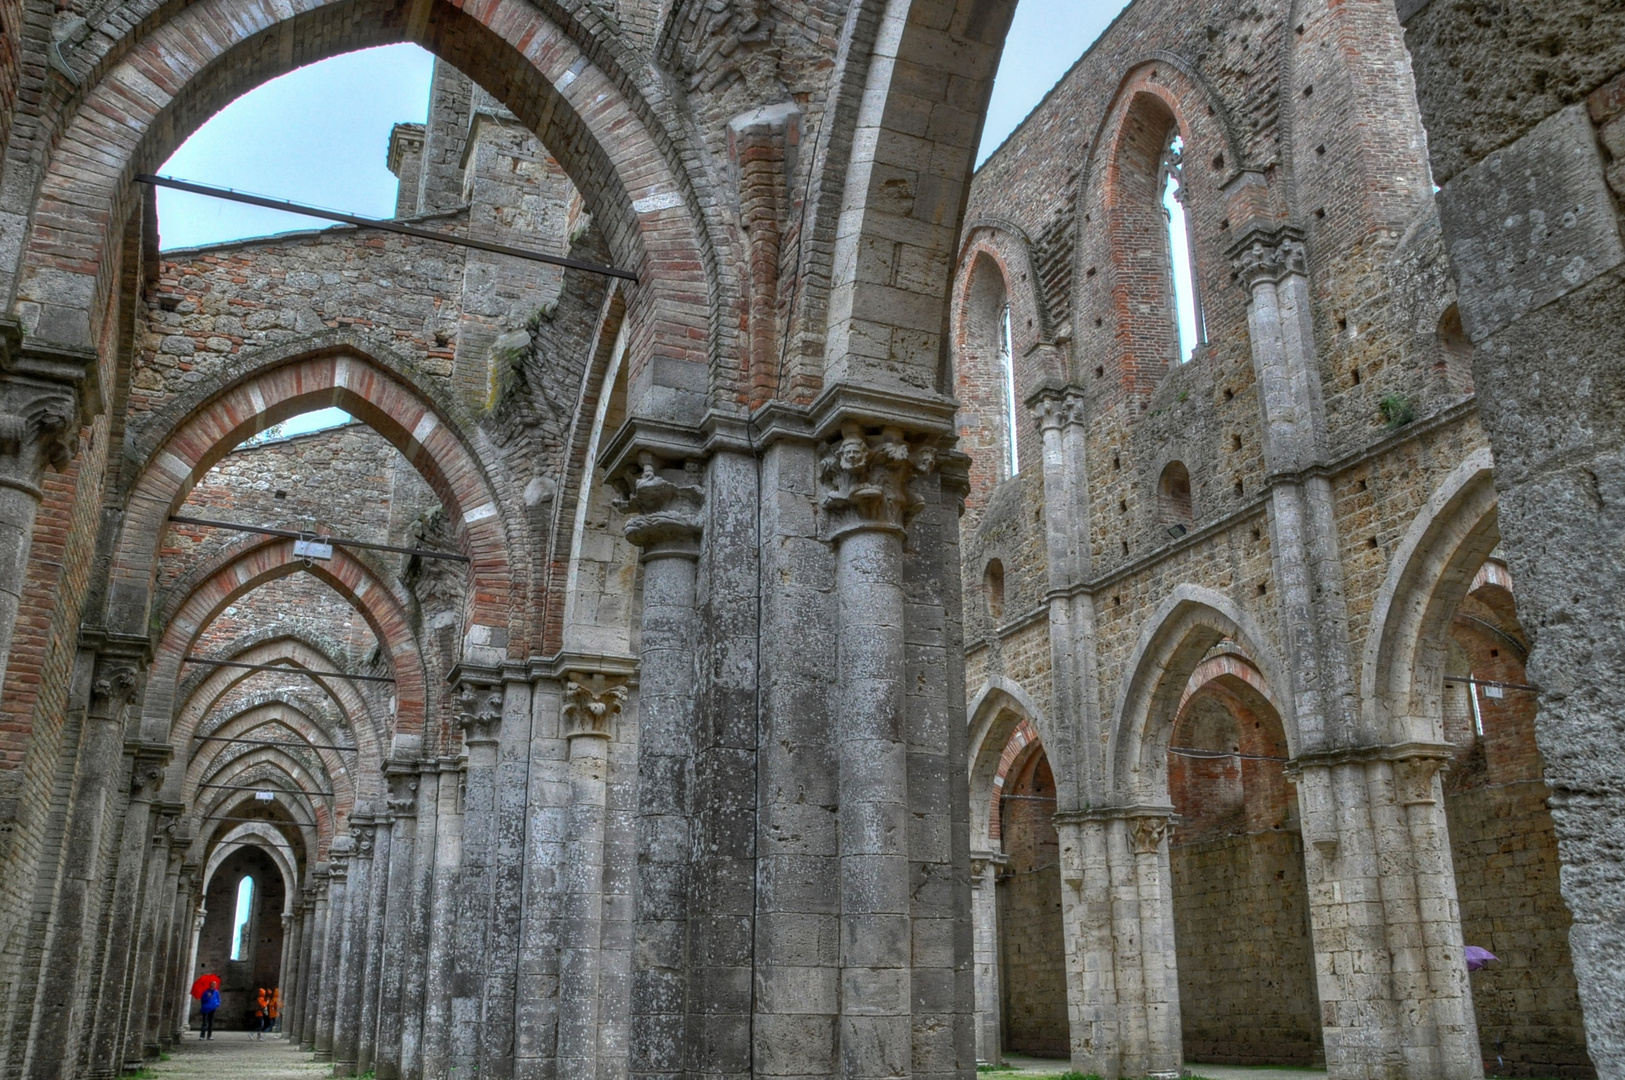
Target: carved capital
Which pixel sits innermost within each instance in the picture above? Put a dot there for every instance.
(365, 830)
(403, 789)
(479, 712)
(114, 685)
(866, 478)
(148, 772)
(662, 506)
(1268, 257)
(591, 703)
(1413, 780)
(1148, 833)
(1054, 408)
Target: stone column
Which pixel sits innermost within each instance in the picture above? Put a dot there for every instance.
(296, 1011)
(591, 704)
(377, 911)
(316, 948)
(439, 935)
(1117, 907)
(866, 505)
(400, 899)
(140, 1041)
(352, 954)
(984, 909)
(71, 941)
(479, 708)
(1394, 994)
(664, 523)
(194, 931)
(164, 961)
(46, 393)
(180, 975)
(292, 959)
(338, 909)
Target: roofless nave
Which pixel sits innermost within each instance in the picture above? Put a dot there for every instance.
(920, 618)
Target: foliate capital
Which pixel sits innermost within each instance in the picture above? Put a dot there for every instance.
(1269, 257)
(115, 684)
(866, 476)
(403, 789)
(39, 426)
(1148, 833)
(148, 772)
(663, 507)
(1054, 408)
(479, 711)
(591, 703)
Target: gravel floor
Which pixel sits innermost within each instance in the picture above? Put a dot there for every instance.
(1027, 1068)
(237, 1055)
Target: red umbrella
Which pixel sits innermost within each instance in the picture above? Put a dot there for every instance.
(205, 982)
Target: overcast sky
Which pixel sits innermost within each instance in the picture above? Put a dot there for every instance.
(320, 134)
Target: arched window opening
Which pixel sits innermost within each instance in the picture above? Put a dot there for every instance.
(1174, 499)
(1007, 367)
(1455, 363)
(993, 584)
(1181, 250)
(240, 920)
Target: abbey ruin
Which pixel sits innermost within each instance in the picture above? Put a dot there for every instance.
(1152, 599)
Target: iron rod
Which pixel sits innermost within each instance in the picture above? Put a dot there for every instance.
(1491, 682)
(291, 534)
(278, 790)
(277, 742)
(261, 820)
(288, 668)
(378, 223)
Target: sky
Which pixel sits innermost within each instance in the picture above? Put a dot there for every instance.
(320, 135)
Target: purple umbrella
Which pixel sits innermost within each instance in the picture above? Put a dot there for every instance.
(1479, 959)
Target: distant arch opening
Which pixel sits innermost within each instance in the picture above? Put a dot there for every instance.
(1032, 944)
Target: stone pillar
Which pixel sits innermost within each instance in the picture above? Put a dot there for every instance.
(352, 954)
(984, 910)
(180, 977)
(479, 712)
(164, 960)
(664, 523)
(71, 945)
(377, 911)
(439, 936)
(297, 1013)
(1394, 993)
(419, 931)
(317, 951)
(292, 959)
(1117, 907)
(866, 506)
(591, 704)
(46, 393)
(402, 777)
(194, 931)
(338, 897)
(140, 1041)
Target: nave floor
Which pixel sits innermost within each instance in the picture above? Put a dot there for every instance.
(237, 1055)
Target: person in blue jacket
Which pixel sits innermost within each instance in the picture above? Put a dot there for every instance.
(209, 1003)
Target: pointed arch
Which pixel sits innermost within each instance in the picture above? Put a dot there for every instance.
(1433, 568)
(997, 710)
(1176, 638)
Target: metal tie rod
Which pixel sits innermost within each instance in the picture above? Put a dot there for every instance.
(285, 668)
(292, 534)
(380, 223)
(273, 790)
(261, 820)
(277, 742)
(1490, 682)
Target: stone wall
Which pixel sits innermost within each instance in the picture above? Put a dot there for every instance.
(239, 979)
(1031, 939)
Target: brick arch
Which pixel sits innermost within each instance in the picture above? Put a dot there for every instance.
(1176, 638)
(210, 834)
(279, 387)
(1000, 710)
(1433, 569)
(200, 694)
(897, 232)
(276, 770)
(189, 61)
(1118, 277)
(386, 613)
(222, 850)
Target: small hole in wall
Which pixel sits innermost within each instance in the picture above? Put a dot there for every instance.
(1117, 601)
(1342, 323)
(1354, 373)
(1258, 534)
(1089, 272)
(1372, 543)
(1100, 322)
(1228, 394)
(1299, 28)
(1263, 587)
(1309, 91)
(1100, 372)
(1240, 491)
(282, 494)
(1117, 461)
(1320, 151)
(1086, 219)
(1495, 652)
(1125, 547)
(1225, 224)
(1361, 486)
(1235, 442)
(1218, 161)
(1122, 506)
(1320, 213)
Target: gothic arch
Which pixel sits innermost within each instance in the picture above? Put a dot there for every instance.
(1402, 668)
(180, 69)
(348, 772)
(276, 387)
(377, 602)
(245, 830)
(1176, 638)
(998, 709)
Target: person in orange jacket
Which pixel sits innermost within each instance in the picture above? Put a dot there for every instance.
(262, 1012)
(276, 1009)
